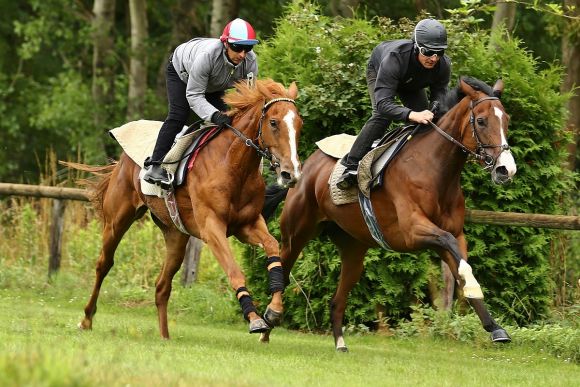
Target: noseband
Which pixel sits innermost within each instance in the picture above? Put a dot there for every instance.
(479, 153)
(264, 152)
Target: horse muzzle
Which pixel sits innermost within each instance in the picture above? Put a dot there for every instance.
(287, 179)
(504, 169)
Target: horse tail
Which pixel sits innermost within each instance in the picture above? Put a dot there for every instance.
(98, 185)
(274, 196)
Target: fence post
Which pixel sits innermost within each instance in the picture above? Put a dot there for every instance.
(56, 228)
(191, 261)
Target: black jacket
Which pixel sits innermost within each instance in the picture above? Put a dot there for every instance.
(398, 70)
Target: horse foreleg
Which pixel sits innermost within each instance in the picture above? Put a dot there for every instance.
(473, 293)
(175, 243)
(352, 258)
(258, 235)
(213, 233)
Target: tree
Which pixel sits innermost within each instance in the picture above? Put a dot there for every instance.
(505, 14)
(103, 87)
(571, 61)
(222, 12)
(138, 61)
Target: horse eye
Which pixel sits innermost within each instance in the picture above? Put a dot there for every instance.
(480, 121)
(273, 123)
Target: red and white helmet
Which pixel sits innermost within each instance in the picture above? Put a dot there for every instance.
(239, 31)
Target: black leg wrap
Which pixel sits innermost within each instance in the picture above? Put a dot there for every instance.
(275, 275)
(246, 303)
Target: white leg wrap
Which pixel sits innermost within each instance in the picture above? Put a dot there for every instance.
(340, 344)
(471, 288)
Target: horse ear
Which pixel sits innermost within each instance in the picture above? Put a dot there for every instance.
(293, 91)
(467, 89)
(498, 88)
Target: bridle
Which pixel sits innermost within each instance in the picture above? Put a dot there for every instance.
(479, 153)
(262, 151)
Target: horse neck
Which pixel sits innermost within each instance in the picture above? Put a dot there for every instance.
(443, 151)
(240, 155)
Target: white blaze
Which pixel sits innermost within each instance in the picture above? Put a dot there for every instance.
(289, 120)
(505, 159)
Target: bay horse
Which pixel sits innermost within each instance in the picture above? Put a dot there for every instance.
(419, 206)
(222, 196)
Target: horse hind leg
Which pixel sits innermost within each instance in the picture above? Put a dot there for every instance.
(113, 231)
(352, 257)
(119, 213)
(175, 243)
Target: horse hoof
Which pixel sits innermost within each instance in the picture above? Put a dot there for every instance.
(272, 318)
(342, 349)
(500, 336)
(84, 326)
(265, 337)
(258, 326)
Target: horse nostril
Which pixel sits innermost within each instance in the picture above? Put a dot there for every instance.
(286, 175)
(501, 170)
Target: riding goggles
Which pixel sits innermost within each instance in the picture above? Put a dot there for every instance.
(428, 52)
(241, 47)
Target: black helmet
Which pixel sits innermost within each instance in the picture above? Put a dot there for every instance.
(431, 34)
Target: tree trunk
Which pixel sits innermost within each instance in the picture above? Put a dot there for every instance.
(189, 267)
(138, 61)
(56, 228)
(185, 24)
(571, 61)
(103, 64)
(222, 12)
(343, 7)
(505, 14)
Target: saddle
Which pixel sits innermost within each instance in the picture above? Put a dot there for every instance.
(371, 167)
(137, 138)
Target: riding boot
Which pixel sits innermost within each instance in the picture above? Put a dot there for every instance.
(371, 131)
(157, 175)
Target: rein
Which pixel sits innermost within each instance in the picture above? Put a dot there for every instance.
(479, 153)
(264, 152)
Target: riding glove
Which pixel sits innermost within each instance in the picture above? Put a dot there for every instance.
(221, 119)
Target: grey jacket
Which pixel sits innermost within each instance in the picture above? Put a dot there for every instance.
(203, 65)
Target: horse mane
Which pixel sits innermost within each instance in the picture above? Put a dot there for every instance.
(453, 96)
(245, 97)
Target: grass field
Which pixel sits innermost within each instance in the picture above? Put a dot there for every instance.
(40, 345)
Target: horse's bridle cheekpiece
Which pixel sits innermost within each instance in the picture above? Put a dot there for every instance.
(479, 153)
(264, 152)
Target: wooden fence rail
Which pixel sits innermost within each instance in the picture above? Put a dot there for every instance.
(192, 256)
(471, 216)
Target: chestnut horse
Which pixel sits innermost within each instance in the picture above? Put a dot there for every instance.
(419, 206)
(223, 195)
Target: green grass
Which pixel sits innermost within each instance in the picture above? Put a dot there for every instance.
(40, 345)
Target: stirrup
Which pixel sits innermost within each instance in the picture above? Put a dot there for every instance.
(347, 180)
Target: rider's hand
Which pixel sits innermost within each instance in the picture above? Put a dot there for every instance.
(421, 117)
(221, 119)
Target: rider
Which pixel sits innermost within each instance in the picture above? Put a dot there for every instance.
(401, 68)
(198, 74)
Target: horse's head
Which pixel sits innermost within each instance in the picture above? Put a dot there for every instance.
(489, 125)
(280, 127)
(269, 112)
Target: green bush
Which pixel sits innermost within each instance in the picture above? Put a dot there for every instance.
(328, 57)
